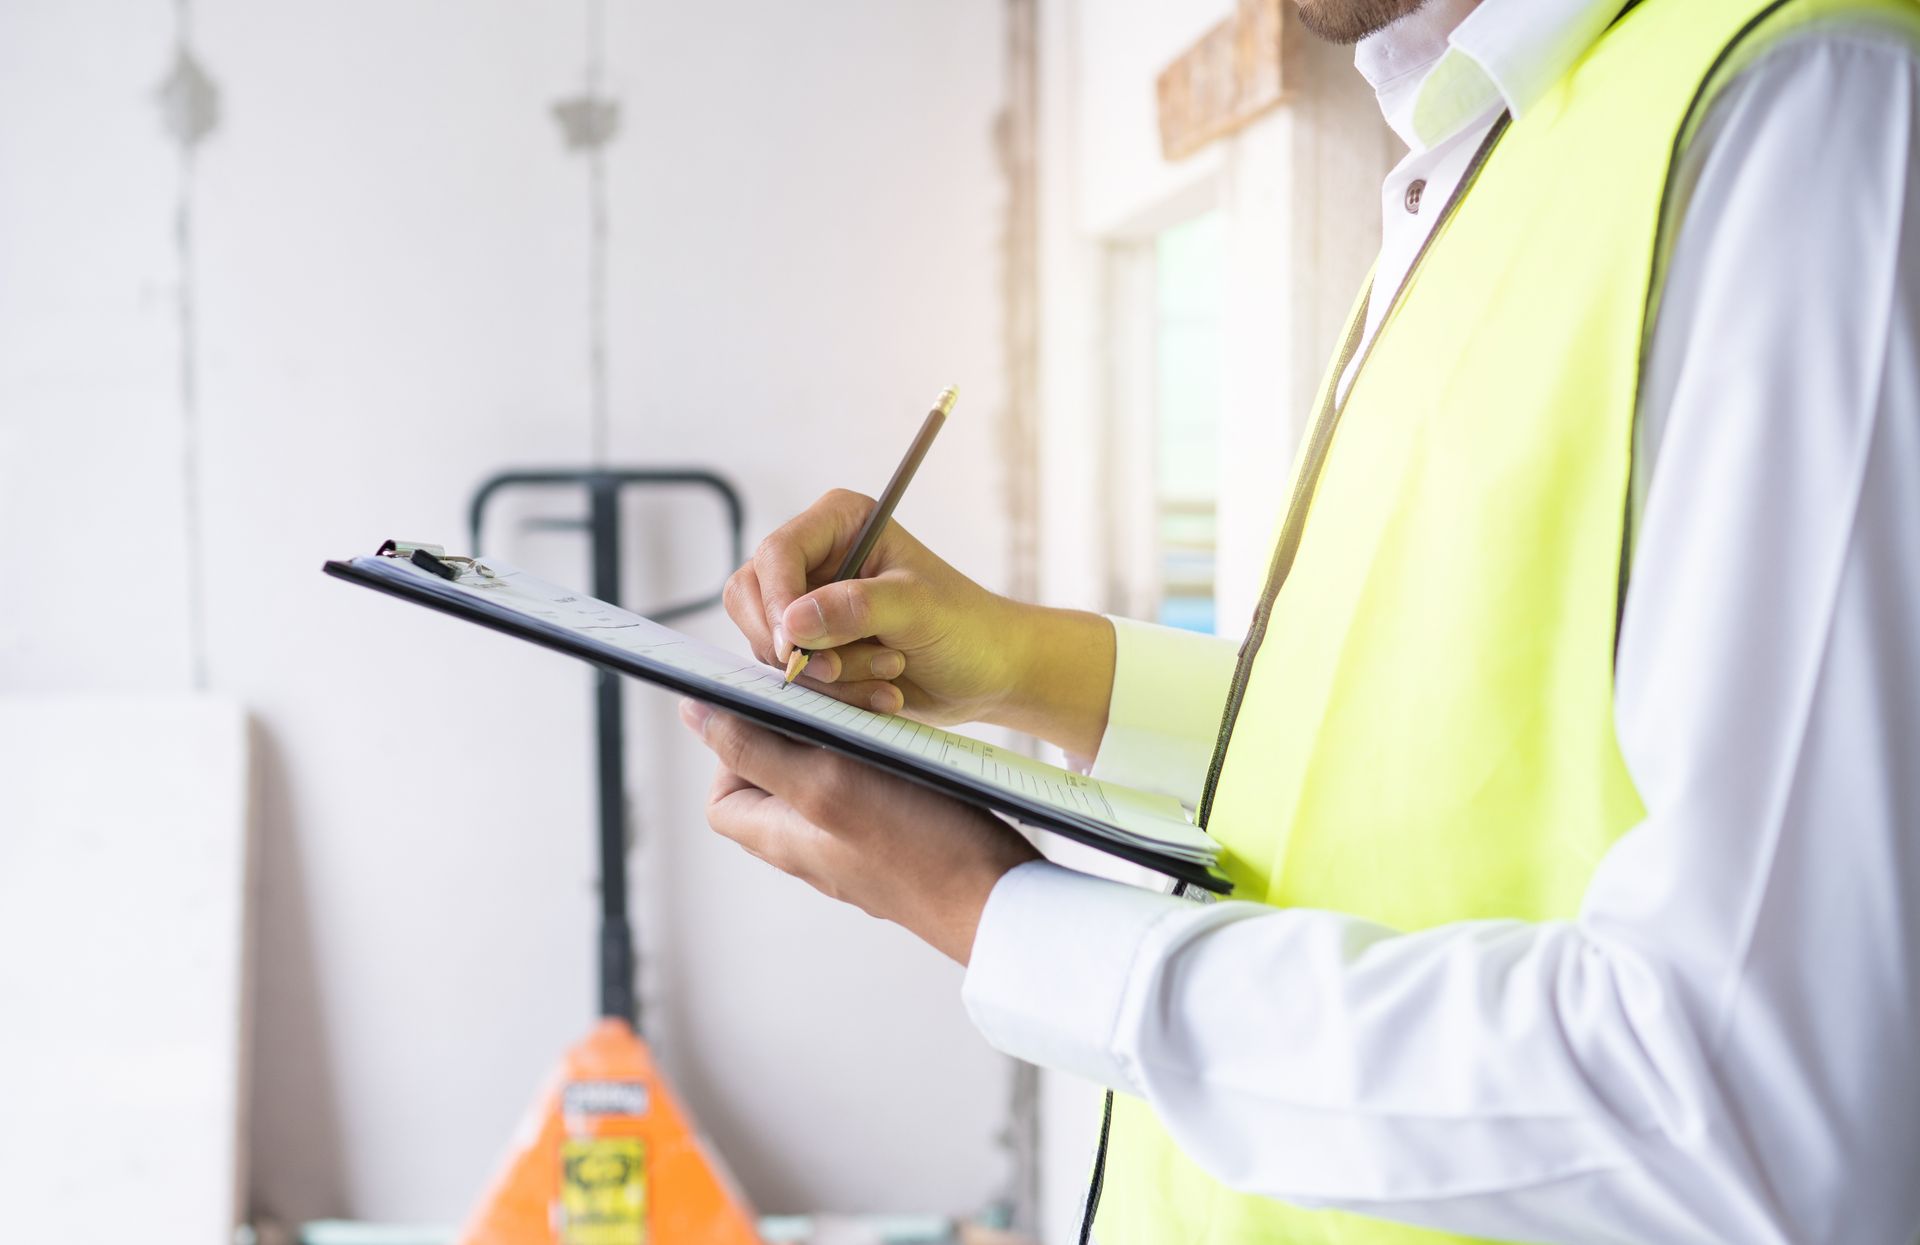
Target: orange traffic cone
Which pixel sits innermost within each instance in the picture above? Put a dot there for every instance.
(607, 1158)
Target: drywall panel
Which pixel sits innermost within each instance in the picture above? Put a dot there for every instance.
(124, 841)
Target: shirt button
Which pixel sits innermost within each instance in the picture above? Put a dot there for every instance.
(1415, 189)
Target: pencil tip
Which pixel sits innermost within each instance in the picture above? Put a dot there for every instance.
(796, 662)
(948, 396)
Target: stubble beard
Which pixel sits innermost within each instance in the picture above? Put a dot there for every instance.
(1349, 21)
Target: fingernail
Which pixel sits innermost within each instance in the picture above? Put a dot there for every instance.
(889, 665)
(780, 646)
(824, 667)
(695, 715)
(886, 700)
(809, 623)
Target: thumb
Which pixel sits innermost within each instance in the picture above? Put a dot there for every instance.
(853, 609)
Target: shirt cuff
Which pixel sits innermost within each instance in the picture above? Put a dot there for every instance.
(1050, 966)
(1169, 691)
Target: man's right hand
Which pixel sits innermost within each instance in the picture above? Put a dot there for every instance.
(916, 636)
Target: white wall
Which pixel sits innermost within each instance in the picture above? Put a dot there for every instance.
(123, 974)
(390, 259)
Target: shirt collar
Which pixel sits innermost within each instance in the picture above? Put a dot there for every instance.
(1450, 62)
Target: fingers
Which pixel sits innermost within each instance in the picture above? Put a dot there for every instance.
(856, 662)
(747, 815)
(853, 609)
(768, 761)
(892, 849)
(848, 662)
(726, 783)
(742, 598)
(823, 787)
(866, 693)
(804, 544)
(859, 674)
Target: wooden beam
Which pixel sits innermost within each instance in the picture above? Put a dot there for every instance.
(1231, 76)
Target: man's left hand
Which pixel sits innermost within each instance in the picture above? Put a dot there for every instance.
(892, 849)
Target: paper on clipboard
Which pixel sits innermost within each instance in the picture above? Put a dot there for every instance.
(1145, 829)
(1151, 820)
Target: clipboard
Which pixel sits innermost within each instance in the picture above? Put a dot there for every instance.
(1140, 827)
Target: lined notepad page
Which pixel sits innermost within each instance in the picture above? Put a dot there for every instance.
(1151, 820)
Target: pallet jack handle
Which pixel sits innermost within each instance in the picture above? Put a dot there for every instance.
(603, 488)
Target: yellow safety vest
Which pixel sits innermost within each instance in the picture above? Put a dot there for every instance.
(1421, 729)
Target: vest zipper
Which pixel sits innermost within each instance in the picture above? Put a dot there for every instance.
(1319, 444)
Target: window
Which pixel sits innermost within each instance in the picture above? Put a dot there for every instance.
(1186, 423)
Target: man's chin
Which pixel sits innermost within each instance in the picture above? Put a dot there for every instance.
(1349, 21)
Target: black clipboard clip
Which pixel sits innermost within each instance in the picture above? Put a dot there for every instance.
(433, 558)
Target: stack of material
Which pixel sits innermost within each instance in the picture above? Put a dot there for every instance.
(123, 882)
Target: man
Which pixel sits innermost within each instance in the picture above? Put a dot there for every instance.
(1569, 763)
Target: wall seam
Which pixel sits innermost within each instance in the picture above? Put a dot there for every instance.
(189, 106)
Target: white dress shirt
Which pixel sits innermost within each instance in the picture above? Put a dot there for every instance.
(1724, 1045)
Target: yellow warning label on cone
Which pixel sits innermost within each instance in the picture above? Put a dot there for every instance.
(603, 1191)
(607, 1157)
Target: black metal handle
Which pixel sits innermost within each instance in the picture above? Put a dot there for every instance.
(617, 953)
(606, 482)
